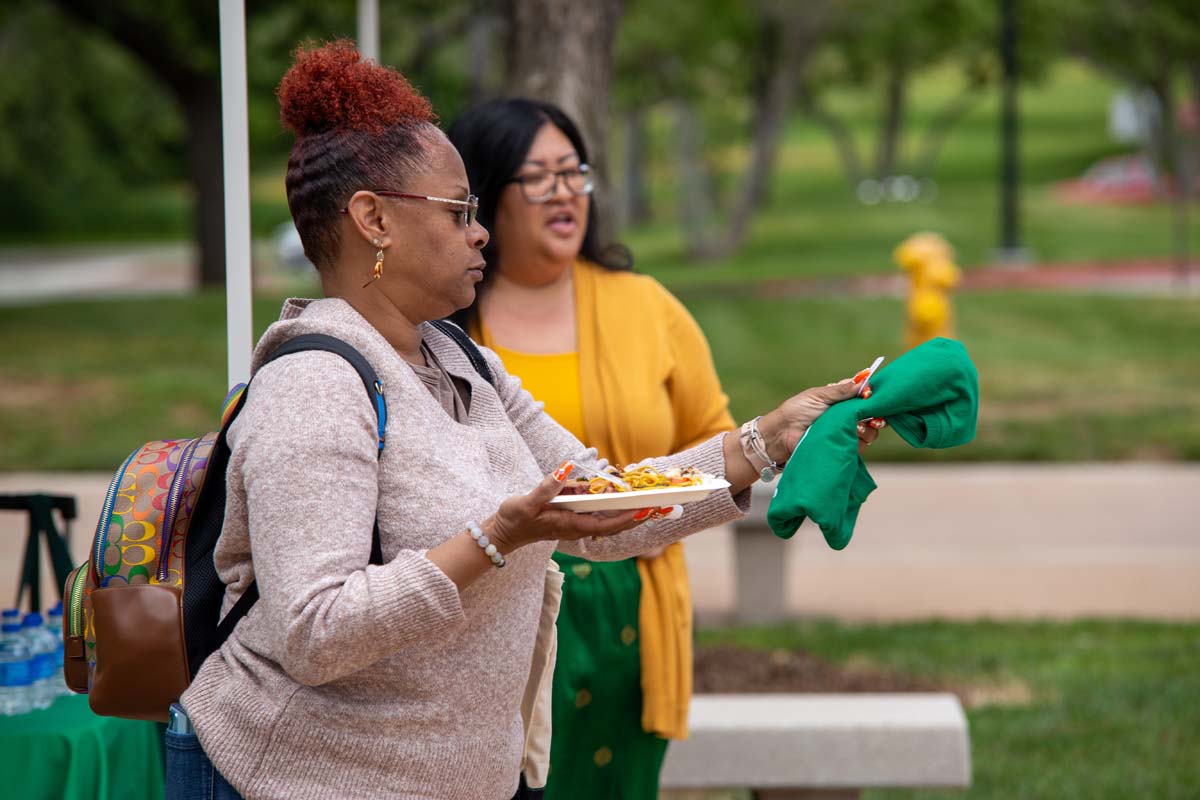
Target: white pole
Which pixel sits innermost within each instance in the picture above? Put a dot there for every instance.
(236, 151)
(368, 29)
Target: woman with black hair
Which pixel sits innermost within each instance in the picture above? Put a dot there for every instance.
(619, 362)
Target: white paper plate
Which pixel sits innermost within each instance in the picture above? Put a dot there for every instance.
(645, 498)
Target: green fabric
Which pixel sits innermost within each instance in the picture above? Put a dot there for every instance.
(599, 749)
(66, 751)
(929, 396)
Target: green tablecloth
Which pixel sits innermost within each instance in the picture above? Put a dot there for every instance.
(66, 751)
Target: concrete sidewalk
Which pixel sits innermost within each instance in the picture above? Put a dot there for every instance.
(955, 541)
(30, 275)
(993, 540)
(38, 274)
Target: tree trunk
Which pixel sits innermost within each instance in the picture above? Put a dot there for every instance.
(1179, 175)
(942, 124)
(562, 51)
(795, 35)
(697, 206)
(196, 86)
(1194, 142)
(635, 208)
(481, 37)
(201, 103)
(843, 139)
(893, 118)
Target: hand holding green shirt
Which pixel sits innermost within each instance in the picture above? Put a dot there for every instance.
(929, 396)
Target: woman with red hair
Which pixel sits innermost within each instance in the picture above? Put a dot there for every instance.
(408, 674)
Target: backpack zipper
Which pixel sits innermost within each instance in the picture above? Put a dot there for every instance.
(172, 505)
(106, 513)
(76, 581)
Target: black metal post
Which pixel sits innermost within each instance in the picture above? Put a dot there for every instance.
(41, 508)
(1010, 249)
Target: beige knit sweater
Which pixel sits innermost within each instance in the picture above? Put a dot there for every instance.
(356, 681)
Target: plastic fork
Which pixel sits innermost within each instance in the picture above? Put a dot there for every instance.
(592, 472)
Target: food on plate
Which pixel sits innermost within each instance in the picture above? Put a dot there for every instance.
(638, 478)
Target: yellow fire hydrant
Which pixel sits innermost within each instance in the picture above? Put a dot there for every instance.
(929, 261)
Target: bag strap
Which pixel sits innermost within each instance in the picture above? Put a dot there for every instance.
(330, 344)
(469, 347)
(301, 344)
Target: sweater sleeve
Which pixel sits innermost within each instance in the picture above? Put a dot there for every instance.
(719, 507)
(551, 444)
(307, 449)
(699, 406)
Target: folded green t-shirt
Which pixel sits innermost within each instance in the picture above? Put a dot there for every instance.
(929, 395)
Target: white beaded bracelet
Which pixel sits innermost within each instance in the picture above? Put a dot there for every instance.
(489, 549)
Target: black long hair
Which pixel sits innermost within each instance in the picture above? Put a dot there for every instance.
(493, 139)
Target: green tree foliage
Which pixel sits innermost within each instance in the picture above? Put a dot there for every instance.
(80, 123)
(116, 99)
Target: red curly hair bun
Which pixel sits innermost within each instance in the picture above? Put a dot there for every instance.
(330, 87)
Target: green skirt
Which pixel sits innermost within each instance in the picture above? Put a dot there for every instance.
(599, 748)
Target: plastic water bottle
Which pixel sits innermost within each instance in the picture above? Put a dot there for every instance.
(54, 621)
(41, 644)
(10, 615)
(16, 668)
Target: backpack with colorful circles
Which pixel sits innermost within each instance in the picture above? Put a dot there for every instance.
(143, 612)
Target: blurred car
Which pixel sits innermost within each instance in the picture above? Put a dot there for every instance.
(1121, 180)
(288, 248)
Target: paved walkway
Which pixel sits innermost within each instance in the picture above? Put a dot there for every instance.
(32, 275)
(998, 540)
(1146, 278)
(954, 541)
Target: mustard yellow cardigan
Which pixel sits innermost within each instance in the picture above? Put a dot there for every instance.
(648, 388)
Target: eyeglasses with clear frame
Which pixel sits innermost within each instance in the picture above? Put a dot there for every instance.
(470, 206)
(540, 187)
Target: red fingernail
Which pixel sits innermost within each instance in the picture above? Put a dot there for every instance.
(866, 393)
(563, 470)
(641, 515)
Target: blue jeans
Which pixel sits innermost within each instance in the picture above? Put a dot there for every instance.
(190, 775)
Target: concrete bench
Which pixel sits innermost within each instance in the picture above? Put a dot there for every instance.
(759, 556)
(818, 746)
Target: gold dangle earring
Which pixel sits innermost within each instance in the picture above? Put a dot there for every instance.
(378, 273)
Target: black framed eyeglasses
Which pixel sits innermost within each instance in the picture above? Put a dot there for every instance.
(539, 187)
(469, 207)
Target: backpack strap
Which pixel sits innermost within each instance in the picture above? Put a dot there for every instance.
(330, 344)
(469, 347)
(301, 344)
(320, 341)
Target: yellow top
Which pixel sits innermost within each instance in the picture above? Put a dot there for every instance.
(647, 387)
(553, 379)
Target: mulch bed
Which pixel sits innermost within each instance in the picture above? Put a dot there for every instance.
(726, 668)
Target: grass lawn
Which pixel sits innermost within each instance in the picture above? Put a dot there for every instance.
(1064, 377)
(1092, 709)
